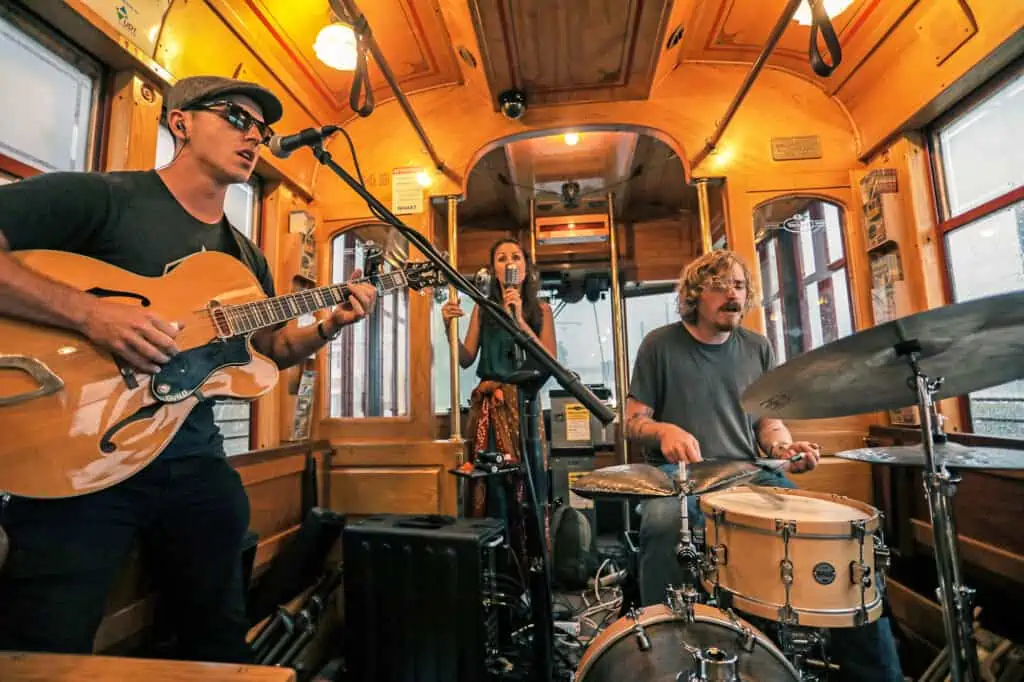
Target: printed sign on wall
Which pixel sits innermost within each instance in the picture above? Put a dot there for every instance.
(406, 191)
(137, 20)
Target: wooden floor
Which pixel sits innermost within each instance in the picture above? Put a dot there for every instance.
(17, 667)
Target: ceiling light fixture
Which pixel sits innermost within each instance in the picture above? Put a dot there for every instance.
(832, 8)
(424, 179)
(336, 46)
(572, 139)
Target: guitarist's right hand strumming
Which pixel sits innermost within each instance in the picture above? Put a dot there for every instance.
(139, 337)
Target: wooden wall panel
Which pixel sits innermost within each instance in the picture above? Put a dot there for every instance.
(934, 55)
(838, 476)
(394, 478)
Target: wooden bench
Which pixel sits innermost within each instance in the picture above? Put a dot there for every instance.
(24, 667)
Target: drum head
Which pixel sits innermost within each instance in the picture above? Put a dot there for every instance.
(615, 656)
(759, 507)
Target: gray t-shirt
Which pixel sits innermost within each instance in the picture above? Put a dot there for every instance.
(698, 386)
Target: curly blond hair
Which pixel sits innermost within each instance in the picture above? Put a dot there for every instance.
(695, 276)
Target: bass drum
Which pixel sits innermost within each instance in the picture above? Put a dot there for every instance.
(619, 653)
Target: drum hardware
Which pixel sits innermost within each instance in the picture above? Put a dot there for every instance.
(643, 642)
(800, 644)
(714, 665)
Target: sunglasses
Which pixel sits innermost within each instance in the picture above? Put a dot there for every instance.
(238, 117)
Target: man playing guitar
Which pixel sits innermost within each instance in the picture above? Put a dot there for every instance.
(188, 506)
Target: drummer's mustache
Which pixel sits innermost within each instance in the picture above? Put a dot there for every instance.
(731, 307)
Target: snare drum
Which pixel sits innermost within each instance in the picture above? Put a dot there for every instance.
(658, 644)
(792, 556)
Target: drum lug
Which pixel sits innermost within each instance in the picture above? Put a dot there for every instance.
(682, 602)
(719, 556)
(788, 616)
(643, 642)
(860, 574)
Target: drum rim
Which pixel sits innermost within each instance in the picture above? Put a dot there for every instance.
(661, 613)
(826, 613)
(804, 528)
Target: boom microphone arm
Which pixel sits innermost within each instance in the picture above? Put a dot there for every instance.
(533, 349)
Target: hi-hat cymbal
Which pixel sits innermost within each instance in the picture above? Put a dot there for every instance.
(626, 481)
(971, 345)
(953, 455)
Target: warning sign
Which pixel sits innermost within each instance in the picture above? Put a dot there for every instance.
(577, 422)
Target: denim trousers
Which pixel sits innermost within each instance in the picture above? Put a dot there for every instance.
(866, 653)
(190, 516)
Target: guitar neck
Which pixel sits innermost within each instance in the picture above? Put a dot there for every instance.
(246, 318)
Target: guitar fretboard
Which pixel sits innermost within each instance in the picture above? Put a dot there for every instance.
(248, 317)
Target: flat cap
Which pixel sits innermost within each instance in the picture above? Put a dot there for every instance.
(200, 89)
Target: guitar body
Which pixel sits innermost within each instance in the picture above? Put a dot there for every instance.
(70, 422)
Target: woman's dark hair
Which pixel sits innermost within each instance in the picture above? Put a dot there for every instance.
(531, 304)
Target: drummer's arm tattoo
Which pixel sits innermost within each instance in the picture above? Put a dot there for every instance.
(770, 432)
(640, 424)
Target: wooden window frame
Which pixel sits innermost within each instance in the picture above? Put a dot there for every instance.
(944, 223)
(827, 270)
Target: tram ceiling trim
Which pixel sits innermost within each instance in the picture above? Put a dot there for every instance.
(755, 69)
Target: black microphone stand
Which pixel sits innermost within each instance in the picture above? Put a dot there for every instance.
(537, 367)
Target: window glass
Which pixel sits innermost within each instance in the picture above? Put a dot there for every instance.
(368, 364)
(49, 127)
(979, 157)
(805, 294)
(439, 343)
(644, 314)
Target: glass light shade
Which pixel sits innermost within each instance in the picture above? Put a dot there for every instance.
(336, 46)
(832, 9)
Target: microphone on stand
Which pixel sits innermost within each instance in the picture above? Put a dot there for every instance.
(282, 146)
(511, 282)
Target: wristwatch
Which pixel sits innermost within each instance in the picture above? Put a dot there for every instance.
(323, 335)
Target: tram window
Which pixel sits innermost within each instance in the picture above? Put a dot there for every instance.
(242, 208)
(439, 343)
(368, 364)
(583, 333)
(981, 176)
(57, 91)
(805, 292)
(646, 312)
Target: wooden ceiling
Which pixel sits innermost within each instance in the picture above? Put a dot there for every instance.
(645, 176)
(411, 33)
(563, 51)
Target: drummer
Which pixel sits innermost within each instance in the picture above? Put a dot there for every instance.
(684, 405)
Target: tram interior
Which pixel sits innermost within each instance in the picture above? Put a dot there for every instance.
(861, 157)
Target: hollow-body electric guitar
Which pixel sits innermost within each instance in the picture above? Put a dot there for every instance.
(75, 420)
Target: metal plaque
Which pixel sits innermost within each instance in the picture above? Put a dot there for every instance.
(793, 148)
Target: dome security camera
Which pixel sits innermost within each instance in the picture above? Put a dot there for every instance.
(513, 104)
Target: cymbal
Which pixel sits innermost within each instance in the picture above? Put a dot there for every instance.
(626, 481)
(971, 345)
(953, 455)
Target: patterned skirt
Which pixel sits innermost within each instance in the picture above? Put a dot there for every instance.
(494, 427)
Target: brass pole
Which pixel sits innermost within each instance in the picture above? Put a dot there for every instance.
(453, 324)
(533, 230)
(705, 215)
(618, 335)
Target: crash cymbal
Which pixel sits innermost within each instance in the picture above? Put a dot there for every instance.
(624, 481)
(971, 345)
(953, 455)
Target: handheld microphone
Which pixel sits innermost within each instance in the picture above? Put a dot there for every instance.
(282, 146)
(511, 282)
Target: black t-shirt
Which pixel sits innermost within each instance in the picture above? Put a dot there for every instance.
(131, 220)
(698, 386)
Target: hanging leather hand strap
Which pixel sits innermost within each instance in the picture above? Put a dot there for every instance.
(821, 22)
(362, 75)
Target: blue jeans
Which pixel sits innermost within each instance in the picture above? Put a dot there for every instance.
(866, 653)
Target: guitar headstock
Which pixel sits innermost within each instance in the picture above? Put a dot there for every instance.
(423, 275)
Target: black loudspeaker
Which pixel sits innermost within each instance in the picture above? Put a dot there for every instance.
(417, 598)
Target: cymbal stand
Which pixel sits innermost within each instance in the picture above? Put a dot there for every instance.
(956, 599)
(682, 600)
